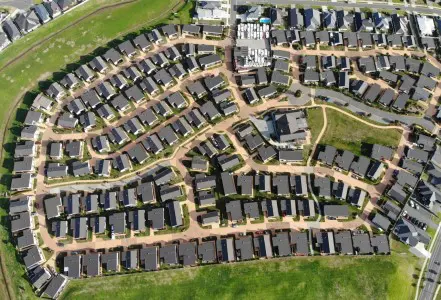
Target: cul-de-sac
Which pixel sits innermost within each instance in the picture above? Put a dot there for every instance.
(188, 149)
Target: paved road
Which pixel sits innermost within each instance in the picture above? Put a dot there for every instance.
(425, 10)
(376, 114)
(20, 4)
(432, 274)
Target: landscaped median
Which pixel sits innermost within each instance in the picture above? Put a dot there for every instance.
(337, 277)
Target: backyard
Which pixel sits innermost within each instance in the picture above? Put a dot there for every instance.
(338, 277)
(346, 133)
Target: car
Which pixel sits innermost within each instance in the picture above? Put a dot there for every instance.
(234, 225)
(60, 244)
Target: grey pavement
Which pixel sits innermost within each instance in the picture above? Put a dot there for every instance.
(377, 115)
(303, 99)
(20, 4)
(373, 5)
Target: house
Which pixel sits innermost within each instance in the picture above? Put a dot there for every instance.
(79, 228)
(244, 248)
(270, 208)
(148, 258)
(225, 250)
(290, 156)
(209, 61)
(29, 133)
(22, 182)
(207, 252)
(206, 198)
(191, 30)
(33, 257)
(117, 135)
(266, 153)
(234, 211)
(117, 221)
(127, 48)
(41, 102)
(103, 167)
(26, 240)
(343, 80)
(11, 30)
(155, 217)
(113, 56)
(39, 277)
(155, 37)
(267, 92)
(210, 219)
(323, 185)
(27, 21)
(327, 155)
(175, 213)
(129, 259)
(362, 243)
(210, 111)
(336, 212)
(21, 221)
(110, 261)
(98, 64)
(410, 234)
(344, 160)
(212, 31)
(136, 219)
(187, 253)
(343, 242)
(262, 246)
(306, 208)
(134, 126)
(52, 8)
(311, 19)
(360, 167)
(42, 13)
(325, 242)
(105, 90)
(142, 43)
(299, 243)
(91, 264)
(122, 163)
(138, 154)
(72, 266)
(281, 183)
(381, 222)
(376, 170)
(387, 97)
(340, 190)
(58, 282)
(132, 73)
(251, 210)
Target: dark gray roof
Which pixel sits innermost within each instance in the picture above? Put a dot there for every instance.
(327, 156)
(228, 185)
(19, 205)
(39, 277)
(345, 159)
(207, 252)
(210, 218)
(244, 248)
(91, 262)
(57, 283)
(72, 266)
(300, 242)
(234, 209)
(187, 253)
(79, 227)
(156, 217)
(118, 222)
(149, 258)
(146, 191)
(343, 242)
(136, 219)
(110, 261)
(360, 167)
(362, 243)
(169, 254)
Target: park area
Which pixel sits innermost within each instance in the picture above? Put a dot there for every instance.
(337, 277)
(346, 133)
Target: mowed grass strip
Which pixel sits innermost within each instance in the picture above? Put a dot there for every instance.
(64, 52)
(335, 277)
(347, 133)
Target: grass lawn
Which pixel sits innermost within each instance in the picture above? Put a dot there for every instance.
(315, 122)
(338, 277)
(64, 52)
(346, 133)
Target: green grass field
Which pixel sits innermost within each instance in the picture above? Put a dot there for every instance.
(346, 133)
(315, 122)
(66, 50)
(338, 277)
